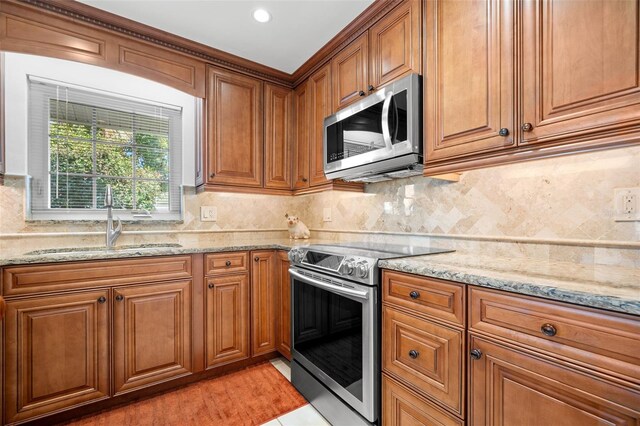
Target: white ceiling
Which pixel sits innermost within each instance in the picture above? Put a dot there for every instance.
(297, 30)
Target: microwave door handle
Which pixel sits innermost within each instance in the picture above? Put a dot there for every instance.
(329, 287)
(386, 133)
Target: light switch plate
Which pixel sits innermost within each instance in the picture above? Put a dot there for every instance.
(208, 213)
(326, 214)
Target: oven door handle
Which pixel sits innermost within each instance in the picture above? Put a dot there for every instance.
(330, 287)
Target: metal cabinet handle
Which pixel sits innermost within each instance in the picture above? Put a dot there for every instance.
(361, 93)
(504, 132)
(371, 88)
(414, 294)
(119, 298)
(102, 299)
(548, 330)
(413, 353)
(210, 285)
(476, 353)
(527, 127)
(256, 259)
(227, 263)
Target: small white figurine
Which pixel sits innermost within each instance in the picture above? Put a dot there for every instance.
(297, 229)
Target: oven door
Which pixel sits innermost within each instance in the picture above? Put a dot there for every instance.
(335, 336)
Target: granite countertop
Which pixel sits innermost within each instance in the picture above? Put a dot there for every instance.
(614, 288)
(608, 287)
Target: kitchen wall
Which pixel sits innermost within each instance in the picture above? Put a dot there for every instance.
(560, 207)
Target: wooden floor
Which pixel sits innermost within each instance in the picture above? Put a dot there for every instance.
(248, 397)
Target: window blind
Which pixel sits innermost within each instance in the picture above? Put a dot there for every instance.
(81, 140)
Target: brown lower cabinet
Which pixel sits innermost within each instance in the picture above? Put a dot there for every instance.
(227, 319)
(263, 302)
(56, 353)
(283, 283)
(511, 387)
(151, 334)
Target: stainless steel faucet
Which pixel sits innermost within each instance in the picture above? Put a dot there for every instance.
(112, 234)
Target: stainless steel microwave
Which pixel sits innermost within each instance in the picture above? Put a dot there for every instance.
(381, 133)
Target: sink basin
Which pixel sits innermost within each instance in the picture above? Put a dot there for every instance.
(74, 250)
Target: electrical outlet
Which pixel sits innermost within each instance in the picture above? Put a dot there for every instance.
(326, 214)
(627, 204)
(208, 213)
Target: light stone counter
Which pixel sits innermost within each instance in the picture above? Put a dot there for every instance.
(609, 287)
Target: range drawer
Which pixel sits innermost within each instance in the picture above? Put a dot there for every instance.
(435, 298)
(598, 340)
(402, 407)
(424, 355)
(227, 263)
(50, 277)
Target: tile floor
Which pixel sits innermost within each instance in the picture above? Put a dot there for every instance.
(303, 416)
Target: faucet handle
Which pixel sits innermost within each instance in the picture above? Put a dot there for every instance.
(108, 197)
(118, 228)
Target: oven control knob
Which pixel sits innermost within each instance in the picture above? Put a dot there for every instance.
(292, 255)
(347, 267)
(362, 269)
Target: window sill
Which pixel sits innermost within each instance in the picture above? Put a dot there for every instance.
(101, 222)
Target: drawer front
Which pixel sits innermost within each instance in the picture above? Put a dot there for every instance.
(401, 407)
(424, 355)
(227, 263)
(435, 298)
(19, 280)
(598, 340)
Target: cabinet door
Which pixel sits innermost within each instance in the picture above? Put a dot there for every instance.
(227, 319)
(469, 92)
(263, 302)
(349, 69)
(320, 94)
(581, 69)
(283, 281)
(235, 138)
(151, 334)
(57, 353)
(394, 44)
(508, 387)
(302, 101)
(277, 139)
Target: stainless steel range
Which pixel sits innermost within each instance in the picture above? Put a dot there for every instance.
(335, 316)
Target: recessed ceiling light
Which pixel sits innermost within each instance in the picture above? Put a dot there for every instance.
(261, 15)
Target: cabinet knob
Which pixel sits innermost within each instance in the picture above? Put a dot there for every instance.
(548, 330)
(414, 294)
(476, 353)
(102, 299)
(227, 263)
(361, 93)
(371, 88)
(304, 179)
(256, 259)
(527, 127)
(119, 298)
(504, 132)
(210, 285)
(413, 353)
(212, 175)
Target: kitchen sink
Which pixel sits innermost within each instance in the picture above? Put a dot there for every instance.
(124, 248)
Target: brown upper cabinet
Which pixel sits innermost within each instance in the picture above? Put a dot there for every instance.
(350, 73)
(319, 86)
(302, 122)
(278, 115)
(470, 100)
(390, 49)
(564, 77)
(580, 70)
(234, 123)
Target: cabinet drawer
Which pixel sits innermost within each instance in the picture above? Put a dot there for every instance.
(223, 263)
(19, 280)
(401, 407)
(424, 355)
(598, 340)
(439, 299)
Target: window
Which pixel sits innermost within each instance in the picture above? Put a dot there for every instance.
(81, 140)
